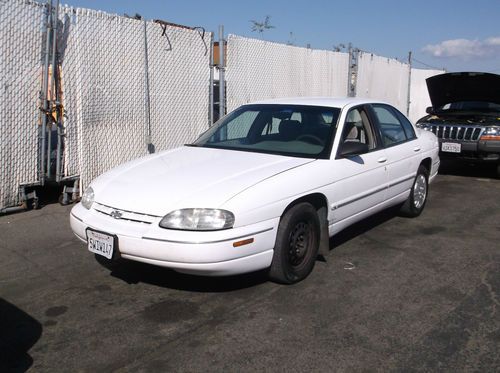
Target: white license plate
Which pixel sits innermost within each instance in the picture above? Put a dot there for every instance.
(100, 243)
(451, 147)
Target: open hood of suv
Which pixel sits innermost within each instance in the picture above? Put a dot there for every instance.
(464, 86)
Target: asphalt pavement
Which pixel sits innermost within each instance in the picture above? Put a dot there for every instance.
(393, 294)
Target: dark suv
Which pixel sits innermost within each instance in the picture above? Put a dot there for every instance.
(465, 116)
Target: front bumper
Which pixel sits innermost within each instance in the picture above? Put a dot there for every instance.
(206, 253)
(480, 151)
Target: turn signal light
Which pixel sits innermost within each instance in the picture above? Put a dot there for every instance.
(490, 137)
(242, 243)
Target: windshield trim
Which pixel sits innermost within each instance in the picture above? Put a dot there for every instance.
(250, 150)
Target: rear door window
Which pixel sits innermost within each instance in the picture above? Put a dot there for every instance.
(391, 128)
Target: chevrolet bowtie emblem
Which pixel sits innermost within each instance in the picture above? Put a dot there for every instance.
(116, 214)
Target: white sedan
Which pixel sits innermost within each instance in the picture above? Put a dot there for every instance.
(265, 187)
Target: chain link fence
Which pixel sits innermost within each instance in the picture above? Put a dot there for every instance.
(179, 83)
(419, 97)
(383, 78)
(129, 87)
(132, 87)
(21, 35)
(258, 69)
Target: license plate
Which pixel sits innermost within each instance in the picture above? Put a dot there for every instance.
(451, 147)
(100, 243)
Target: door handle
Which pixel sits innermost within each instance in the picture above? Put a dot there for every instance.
(416, 149)
(382, 160)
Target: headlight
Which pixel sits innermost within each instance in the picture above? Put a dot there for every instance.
(491, 133)
(88, 198)
(198, 220)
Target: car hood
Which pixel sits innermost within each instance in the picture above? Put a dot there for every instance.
(187, 177)
(464, 86)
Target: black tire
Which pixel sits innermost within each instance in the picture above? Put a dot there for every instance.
(415, 203)
(297, 244)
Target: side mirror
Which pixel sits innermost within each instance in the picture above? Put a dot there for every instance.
(429, 110)
(350, 148)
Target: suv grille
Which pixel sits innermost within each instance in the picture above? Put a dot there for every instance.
(455, 132)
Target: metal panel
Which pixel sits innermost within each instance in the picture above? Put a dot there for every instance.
(258, 69)
(383, 79)
(20, 80)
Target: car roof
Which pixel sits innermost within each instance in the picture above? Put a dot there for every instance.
(338, 102)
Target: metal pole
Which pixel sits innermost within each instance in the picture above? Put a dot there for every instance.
(53, 82)
(60, 134)
(349, 72)
(353, 70)
(148, 99)
(222, 88)
(408, 102)
(211, 89)
(44, 93)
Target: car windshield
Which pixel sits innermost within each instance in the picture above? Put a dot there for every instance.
(292, 130)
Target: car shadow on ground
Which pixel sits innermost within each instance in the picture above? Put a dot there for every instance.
(136, 272)
(467, 169)
(363, 226)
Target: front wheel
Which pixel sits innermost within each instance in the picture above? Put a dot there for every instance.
(415, 203)
(297, 244)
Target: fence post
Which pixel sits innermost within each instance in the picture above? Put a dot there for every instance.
(45, 88)
(55, 93)
(353, 71)
(147, 103)
(222, 88)
(211, 89)
(408, 101)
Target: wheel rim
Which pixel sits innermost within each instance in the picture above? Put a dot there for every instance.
(299, 244)
(419, 191)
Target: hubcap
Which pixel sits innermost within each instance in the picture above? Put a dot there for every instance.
(419, 191)
(299, 243)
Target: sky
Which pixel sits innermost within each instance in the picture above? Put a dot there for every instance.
(452, 35)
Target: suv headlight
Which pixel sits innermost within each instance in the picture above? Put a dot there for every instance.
(88, 198)
(491, 133)
(198, 220)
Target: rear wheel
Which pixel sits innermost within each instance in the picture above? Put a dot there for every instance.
(297, 244)
(415, 203)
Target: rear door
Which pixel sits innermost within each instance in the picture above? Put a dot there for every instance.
(401, 146)
(362, 178)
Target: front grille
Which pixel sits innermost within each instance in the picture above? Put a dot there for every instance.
(119, 214)
(455, 132)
